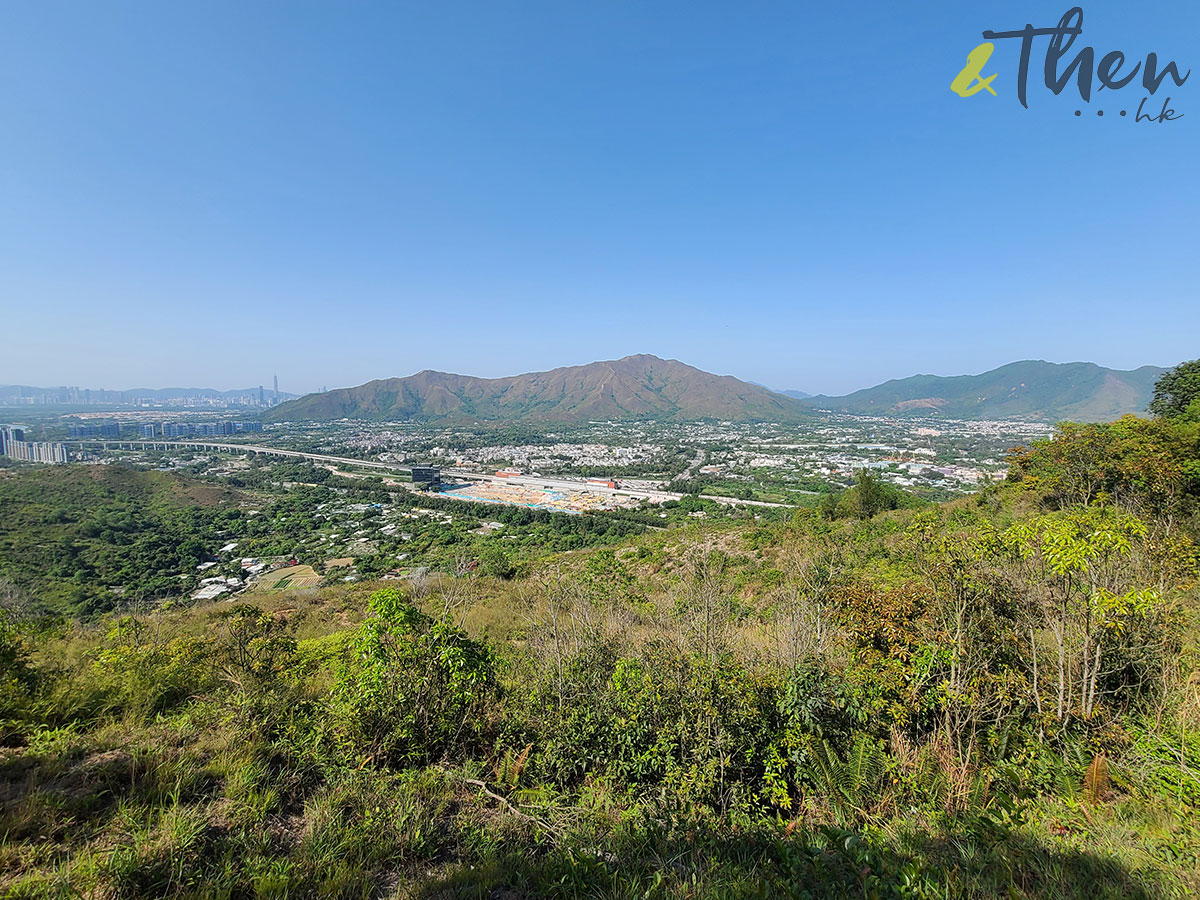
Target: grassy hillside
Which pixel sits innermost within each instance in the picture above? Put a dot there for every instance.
(632, 388)
(73, 535)
(1032, 389)
(83, 540)
(995, 697)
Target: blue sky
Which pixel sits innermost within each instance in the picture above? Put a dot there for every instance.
(209, 193)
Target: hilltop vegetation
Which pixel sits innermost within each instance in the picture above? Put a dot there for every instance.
(999, 696)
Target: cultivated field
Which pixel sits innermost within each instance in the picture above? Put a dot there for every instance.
(288, 578)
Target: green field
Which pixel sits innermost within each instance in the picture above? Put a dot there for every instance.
(289, 577)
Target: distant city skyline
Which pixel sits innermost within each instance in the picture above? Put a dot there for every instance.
(143, 397)
(210, 194)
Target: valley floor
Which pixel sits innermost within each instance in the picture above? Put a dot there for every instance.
(992, 697)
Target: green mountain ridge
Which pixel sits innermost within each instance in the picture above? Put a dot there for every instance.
(1029, 389)
(640, 387)
(645, 387)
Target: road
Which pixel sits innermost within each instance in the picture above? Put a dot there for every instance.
(553, 484)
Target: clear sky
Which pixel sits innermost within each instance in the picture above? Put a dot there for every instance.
(207, 193)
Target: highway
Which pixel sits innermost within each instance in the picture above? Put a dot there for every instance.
(242, 448)
(529, 481)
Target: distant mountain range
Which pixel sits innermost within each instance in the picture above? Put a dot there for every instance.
(19, 394)
(1031, 389)
(647, 388)
(634, 388)
(795, 395)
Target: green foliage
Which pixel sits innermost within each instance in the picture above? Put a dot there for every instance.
(255, 651)
(845, 707)
(1163, 762)
(870, 496)
(850, 783)
(18, 678)
(1080, 586)
(144, 671)
(81, 539)
(1176, 392)
(494, 561)
(679, 726)
(1153, 463)
(416, 688)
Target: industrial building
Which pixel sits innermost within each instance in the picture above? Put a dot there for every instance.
(426, 477)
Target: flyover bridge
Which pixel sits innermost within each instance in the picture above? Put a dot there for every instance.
(533, 481)
(241, 448)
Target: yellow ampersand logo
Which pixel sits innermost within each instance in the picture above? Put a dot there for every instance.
(968, 82)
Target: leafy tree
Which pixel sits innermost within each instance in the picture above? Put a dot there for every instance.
(1177, 392)
(607, 582)
(870, 494)
(1146, 464)
(884, 634)
(254, 648)
(494, 561)
(968, 664)
(1083, 592)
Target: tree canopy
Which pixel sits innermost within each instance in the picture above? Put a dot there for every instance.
(1177, 392)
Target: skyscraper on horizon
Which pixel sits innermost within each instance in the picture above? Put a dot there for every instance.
(276, 385)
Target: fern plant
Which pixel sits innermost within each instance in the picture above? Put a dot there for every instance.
(851, 783)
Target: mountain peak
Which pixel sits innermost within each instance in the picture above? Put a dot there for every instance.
(1031, 389)
(636, 387)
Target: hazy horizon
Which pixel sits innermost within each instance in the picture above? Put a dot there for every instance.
(775, 387)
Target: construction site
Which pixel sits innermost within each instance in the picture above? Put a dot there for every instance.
(518, 494)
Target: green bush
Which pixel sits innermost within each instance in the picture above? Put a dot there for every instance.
(143, 670)
(18, 679)
(691, 731)
(416, 688)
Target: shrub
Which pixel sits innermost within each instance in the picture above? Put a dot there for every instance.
(17, 677)
(416, 688)
(691, 731)
(147, 671)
